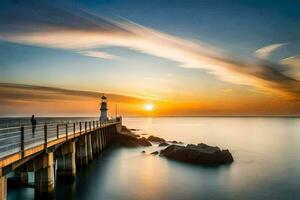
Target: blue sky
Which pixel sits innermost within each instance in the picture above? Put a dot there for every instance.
(237, 26)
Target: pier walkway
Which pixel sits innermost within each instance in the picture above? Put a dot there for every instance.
(27, 149)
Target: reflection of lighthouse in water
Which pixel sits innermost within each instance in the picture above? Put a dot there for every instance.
(103, 109)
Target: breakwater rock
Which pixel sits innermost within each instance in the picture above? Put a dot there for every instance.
(156, 139)
(128, 140)
(163, 144)
(198, 154)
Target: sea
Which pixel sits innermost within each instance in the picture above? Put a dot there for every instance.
(266, 152)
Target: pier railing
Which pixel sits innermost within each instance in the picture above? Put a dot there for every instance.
(18, 139)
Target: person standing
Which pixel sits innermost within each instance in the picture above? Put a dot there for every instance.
(33, 124)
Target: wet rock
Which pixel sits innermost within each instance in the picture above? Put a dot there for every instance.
(155, 153)
(129, 140)
(125, 130)
(156, 139)
(175, 142)
(144, 142)
(163, 144)
(198, 154)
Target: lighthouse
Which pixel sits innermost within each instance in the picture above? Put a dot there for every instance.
(103, 109)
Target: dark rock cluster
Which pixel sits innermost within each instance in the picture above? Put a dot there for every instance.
(156, 139)
(198, 154)
(131, 141)
(163, 144)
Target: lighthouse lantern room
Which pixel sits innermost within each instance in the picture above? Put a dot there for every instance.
(103, 109)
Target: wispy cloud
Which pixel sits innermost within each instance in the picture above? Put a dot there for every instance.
(265, 51)
(293, 61)
(22, 92)
(92, 31)
(20, 99)
(98, 54)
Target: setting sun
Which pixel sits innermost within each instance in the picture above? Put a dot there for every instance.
(149, 107)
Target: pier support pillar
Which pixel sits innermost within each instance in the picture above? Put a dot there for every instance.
(3, 187)
(103, 139)
(100, 140)
(81, 151)
(108, 135)
(95, 142)
(89, 147)
(66, 160)
(44, 177)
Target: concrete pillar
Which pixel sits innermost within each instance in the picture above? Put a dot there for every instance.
(89, 146)
(66, 160)
(100, 140)
(44, 177)
(111, 134)
(95, 142)
(103, 139)
(81, 151)
(114, 132)
(3, 187)
(108, 135)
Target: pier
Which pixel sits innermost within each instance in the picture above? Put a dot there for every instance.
(46, 147)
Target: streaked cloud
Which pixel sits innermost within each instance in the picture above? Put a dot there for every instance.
(16, 99)
(91, 31)
(11, 91)
(98, 54)
(293, 61)
(264, 52)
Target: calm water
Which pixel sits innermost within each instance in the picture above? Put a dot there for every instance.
(266, 152)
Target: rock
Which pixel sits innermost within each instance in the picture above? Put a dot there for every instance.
(128, 140)
(143, 151)
(175, 142)
(125, 130)
(155, 153)
(163, 144)
(156, 139)
(198, 154)
(144, 142)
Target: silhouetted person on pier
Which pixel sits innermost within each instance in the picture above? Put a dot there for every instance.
(33, 124)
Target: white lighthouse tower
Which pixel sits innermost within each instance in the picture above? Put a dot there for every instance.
(103, 109)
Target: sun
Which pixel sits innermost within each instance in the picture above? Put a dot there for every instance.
(149, 107)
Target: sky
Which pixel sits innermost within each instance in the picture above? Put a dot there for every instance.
(186, 58)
